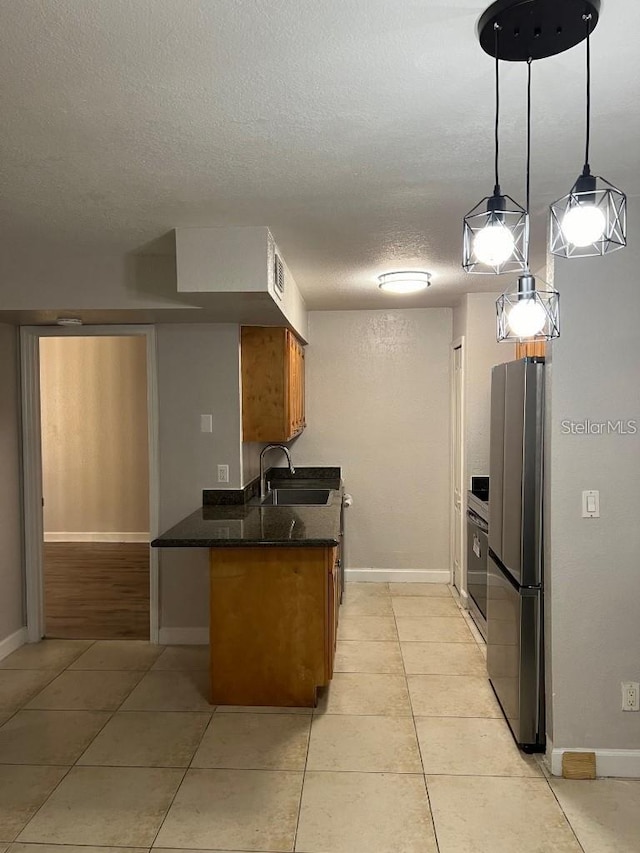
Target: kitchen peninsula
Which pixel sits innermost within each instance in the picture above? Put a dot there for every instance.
(275, 585)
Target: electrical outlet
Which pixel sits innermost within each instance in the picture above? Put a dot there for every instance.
(223, 473)
(630, 696)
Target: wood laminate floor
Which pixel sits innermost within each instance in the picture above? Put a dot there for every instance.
(96, 590)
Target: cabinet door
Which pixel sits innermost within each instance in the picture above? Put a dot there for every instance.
(272, 384)
(329, 626)
(333, 605)
(295, 385)
(303, 421)
(264, 383)
(336, 599)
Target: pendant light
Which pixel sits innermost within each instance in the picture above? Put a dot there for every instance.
(496, 231)
(592, 218)
(530, 311)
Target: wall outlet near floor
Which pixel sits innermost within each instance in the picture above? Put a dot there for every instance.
(630, 696)
(223, 473)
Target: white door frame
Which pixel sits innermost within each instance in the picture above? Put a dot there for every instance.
(458, 343)
(32, 463)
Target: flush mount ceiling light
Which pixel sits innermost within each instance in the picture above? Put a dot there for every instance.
(496, 231)
(592, 218)
(404, 281)
(528, 312)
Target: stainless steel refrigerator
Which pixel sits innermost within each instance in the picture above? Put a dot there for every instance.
(515, 647)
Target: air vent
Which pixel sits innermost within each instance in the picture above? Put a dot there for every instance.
(278, 274)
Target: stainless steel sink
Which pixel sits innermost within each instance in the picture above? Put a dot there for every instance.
(298, 497)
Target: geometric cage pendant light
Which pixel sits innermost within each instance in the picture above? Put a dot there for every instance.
(496, 231)
(592, 218)
(530, 311)
(530, 30)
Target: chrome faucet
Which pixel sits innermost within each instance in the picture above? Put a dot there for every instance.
(285, 450)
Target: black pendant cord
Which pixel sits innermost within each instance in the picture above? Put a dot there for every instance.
(496, 190)
(528, 172)
(587, 169)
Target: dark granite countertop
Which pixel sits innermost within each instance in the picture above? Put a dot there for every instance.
(220, 525)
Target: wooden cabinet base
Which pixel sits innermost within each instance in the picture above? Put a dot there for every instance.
(273, 625)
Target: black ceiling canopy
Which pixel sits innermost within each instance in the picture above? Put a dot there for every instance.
(535, 29)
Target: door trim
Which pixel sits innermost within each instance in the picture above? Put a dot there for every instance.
(32, 463)
(458, 343)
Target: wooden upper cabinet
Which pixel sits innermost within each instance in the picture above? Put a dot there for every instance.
(272, 384)
(531, 348)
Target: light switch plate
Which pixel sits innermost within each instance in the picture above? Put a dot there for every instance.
(206, 423)
(591, 504)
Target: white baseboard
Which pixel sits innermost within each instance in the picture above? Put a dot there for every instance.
(397, 576)
(97, 537)
(183, 636)
(609, 762)
(12, 642)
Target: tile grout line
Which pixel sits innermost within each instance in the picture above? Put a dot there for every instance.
(312, 715)
(69, 768)
(43, 803)
(565, 815)
(304, 776)
(112, 713)
(415, 730)
(56, 674)
(184, 776)
(481, 644)
(12, 714)
(166, 814)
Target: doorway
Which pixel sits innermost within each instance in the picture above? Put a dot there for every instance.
(90, 466)
(457, 467)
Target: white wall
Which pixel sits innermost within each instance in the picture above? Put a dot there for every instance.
(51, 279)
(236, 259)
(11, 581)
(251, 460)
(291, 302)
(483, 352)
(460, 318)
(378, 405)
(593, 582)
(198, 373)
(475, 319)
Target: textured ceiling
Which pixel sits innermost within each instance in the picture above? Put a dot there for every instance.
(360, 131)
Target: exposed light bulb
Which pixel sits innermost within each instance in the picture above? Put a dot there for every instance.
(527, 318)
(494, 244)
(583, 224)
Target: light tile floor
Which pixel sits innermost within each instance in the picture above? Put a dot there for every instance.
(112, 747)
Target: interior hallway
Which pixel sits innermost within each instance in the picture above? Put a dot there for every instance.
(113, 743)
